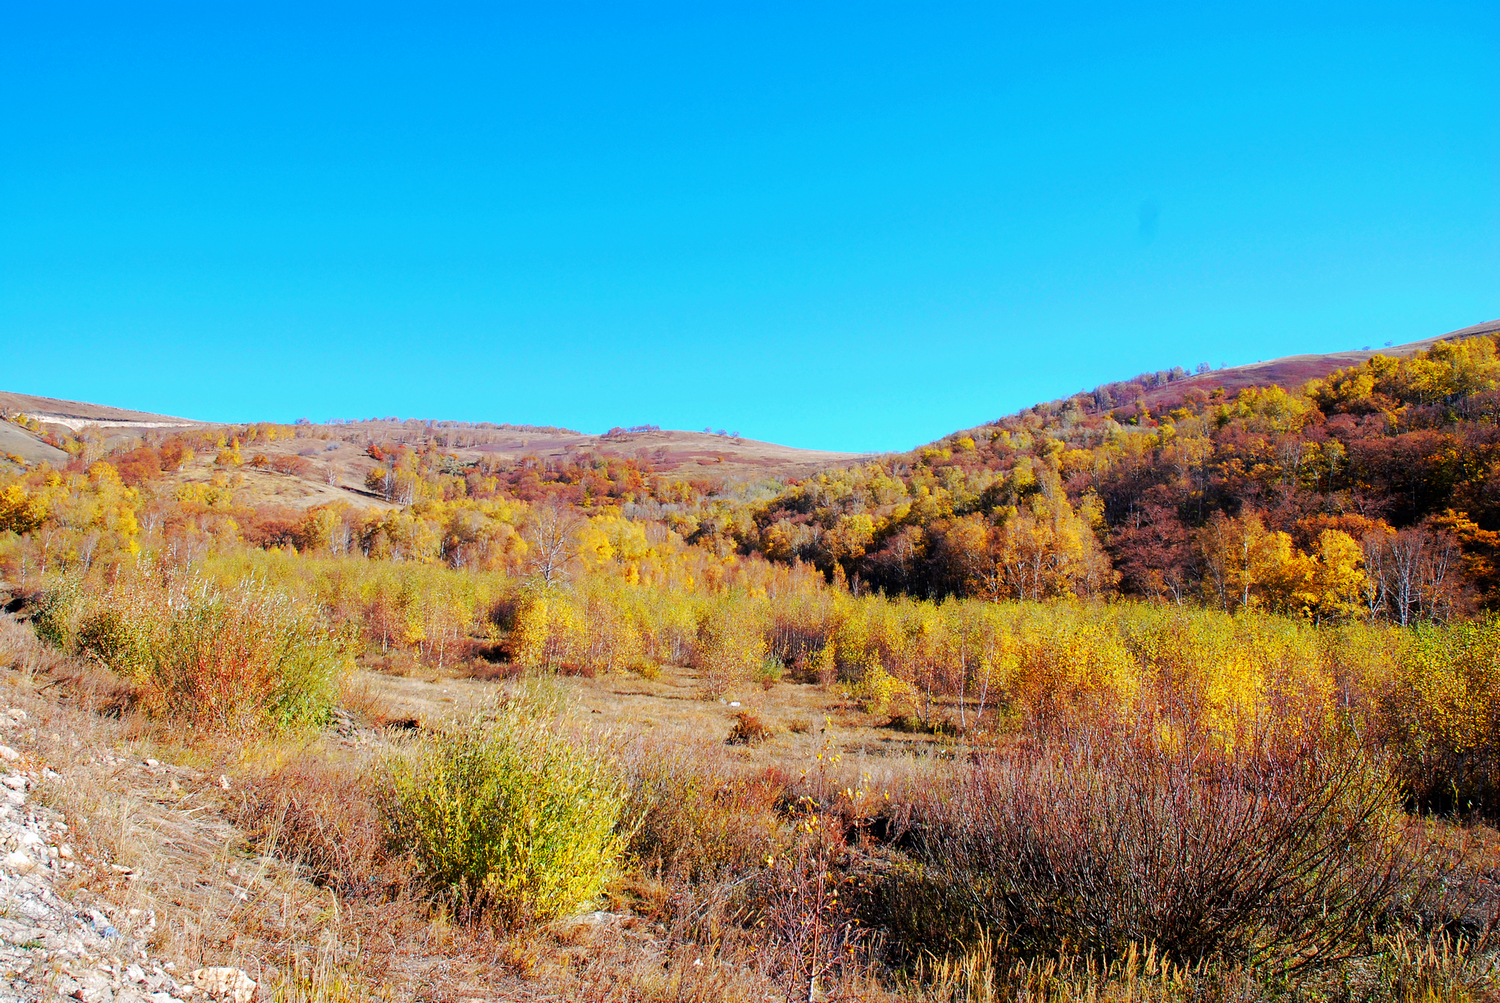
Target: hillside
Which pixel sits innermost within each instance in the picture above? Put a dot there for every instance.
(1162, 486)
(1166, 389)
(1138, 488)
(336, 462)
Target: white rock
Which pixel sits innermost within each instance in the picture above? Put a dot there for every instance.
(225, 983)
(18, 861)
(15, 781)
(8, 754)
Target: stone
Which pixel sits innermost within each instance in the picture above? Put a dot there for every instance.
(18, 861)
(225, 983)
(8, 754)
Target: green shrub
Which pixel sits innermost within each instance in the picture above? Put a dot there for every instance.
(506, 818)
(53, 613)
(120, 643)
(771, 671)
(1440, 714)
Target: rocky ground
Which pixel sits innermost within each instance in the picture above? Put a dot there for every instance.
(53, 948)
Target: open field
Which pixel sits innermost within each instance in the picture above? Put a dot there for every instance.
(775, 816)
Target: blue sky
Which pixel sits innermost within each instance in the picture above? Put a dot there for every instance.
(836, 226)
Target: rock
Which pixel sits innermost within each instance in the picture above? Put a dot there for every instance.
(8, 754)
(18, 861)
(15, 781)
(95, 987)
(225, 983)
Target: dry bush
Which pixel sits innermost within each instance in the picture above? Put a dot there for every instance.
(749, 729)
(1240, 854)
(695, 817)
(321, 810)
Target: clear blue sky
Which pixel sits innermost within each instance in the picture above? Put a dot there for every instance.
(842, 226)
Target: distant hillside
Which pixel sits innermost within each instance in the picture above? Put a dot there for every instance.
(74, 415)
(1348, 484)
(1166, 389)
(338, 457)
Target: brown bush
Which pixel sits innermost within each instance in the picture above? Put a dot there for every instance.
(693, 816)
(293, 466)
(748, 729)
(1099, 844)
(323, 813)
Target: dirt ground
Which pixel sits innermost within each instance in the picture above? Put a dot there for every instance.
(804, 719)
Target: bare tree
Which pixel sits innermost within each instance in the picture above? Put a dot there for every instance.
(552, 536)
(1411, 575)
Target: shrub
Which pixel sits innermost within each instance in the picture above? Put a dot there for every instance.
(248, 658)
(1100, 844)
(118, 642)
(748, 729)
(695, 819)
(295, 466)
(770, 672)
(505, 818)
(1441, 713)
(878, 690)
